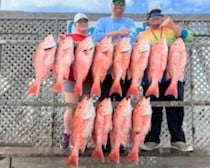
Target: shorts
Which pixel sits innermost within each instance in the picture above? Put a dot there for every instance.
(68, 86)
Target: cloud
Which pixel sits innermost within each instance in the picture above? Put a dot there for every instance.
(103, 6)
(198, 2)
(80, 4)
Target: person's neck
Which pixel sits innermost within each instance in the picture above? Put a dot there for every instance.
(116, 16)
(155, 27)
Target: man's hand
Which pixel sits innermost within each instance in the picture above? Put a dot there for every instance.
(168, 23)
(123, 32)
(171, 25)
(120, 32)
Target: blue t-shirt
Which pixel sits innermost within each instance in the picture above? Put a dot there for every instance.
(109, 24)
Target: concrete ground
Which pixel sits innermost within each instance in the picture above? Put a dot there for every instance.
(86, 162)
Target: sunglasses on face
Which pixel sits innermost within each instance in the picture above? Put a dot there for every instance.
(154, 14)
(118, 3)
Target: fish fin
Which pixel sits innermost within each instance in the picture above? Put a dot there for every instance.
(95, 89)
(77, 89)
(98, 154)
(57, 87)
(66, 75)
(116, 88)
(73, 160)
(133, 156)
(33, 89)
(172, 90)
(133, 90)
(153, 90)
(114, 156)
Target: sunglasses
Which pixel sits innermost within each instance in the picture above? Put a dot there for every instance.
(154, 14)
(118, 3)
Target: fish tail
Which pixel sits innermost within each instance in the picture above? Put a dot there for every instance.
(73, 160)
(133, 90)
(153, 90)
(133, 156)
(33, 89)
(77, 89)
(172, 90)
(57, 87)
(116, 88)
(114, 156)
(95, 89)
(98, 154)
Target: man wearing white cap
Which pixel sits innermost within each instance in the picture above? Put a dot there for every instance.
(160, 28)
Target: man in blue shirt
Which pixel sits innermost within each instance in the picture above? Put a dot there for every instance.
(117, 27)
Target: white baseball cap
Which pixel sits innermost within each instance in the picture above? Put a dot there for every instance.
(153, 8)
(79, 16)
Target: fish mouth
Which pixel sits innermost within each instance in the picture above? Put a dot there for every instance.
(50, 45)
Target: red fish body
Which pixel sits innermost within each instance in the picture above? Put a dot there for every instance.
(156, 66)
(121, 63)
(138, 64)
(121, 128)
(175, 67)
(141, 122)
(101, 64)
(82, 126)
(102, 126)
(63, 60)
(83, 61)
(43, 60)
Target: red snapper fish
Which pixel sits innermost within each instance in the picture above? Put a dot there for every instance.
(156, 66)
(43, 59)
(138, 64)
(102, 126)
(175, 67)
(63, 60)
(120, 65)
(101, 64)
(121, 128)
(82, 126)
(83, 61)
(141, 123)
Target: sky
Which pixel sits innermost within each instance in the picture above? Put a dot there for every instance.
(103, 6)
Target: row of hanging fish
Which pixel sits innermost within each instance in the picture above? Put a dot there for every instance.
(120, 60)
(126, 124)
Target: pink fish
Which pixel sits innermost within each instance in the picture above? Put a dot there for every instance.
(121, 128)
(82, 127)
(141, 122)
(102, 126)
(101, 64)
(63, 60)
(138, 64)
(83, 61)
(121, 62)
(156, 66)
(176, 64)
(43, 59)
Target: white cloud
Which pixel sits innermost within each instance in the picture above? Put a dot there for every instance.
(198, 2)
(79, 4)
(102, 6)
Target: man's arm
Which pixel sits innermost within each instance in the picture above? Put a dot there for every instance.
(132, 31)
(99, 31)
(185, 34)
